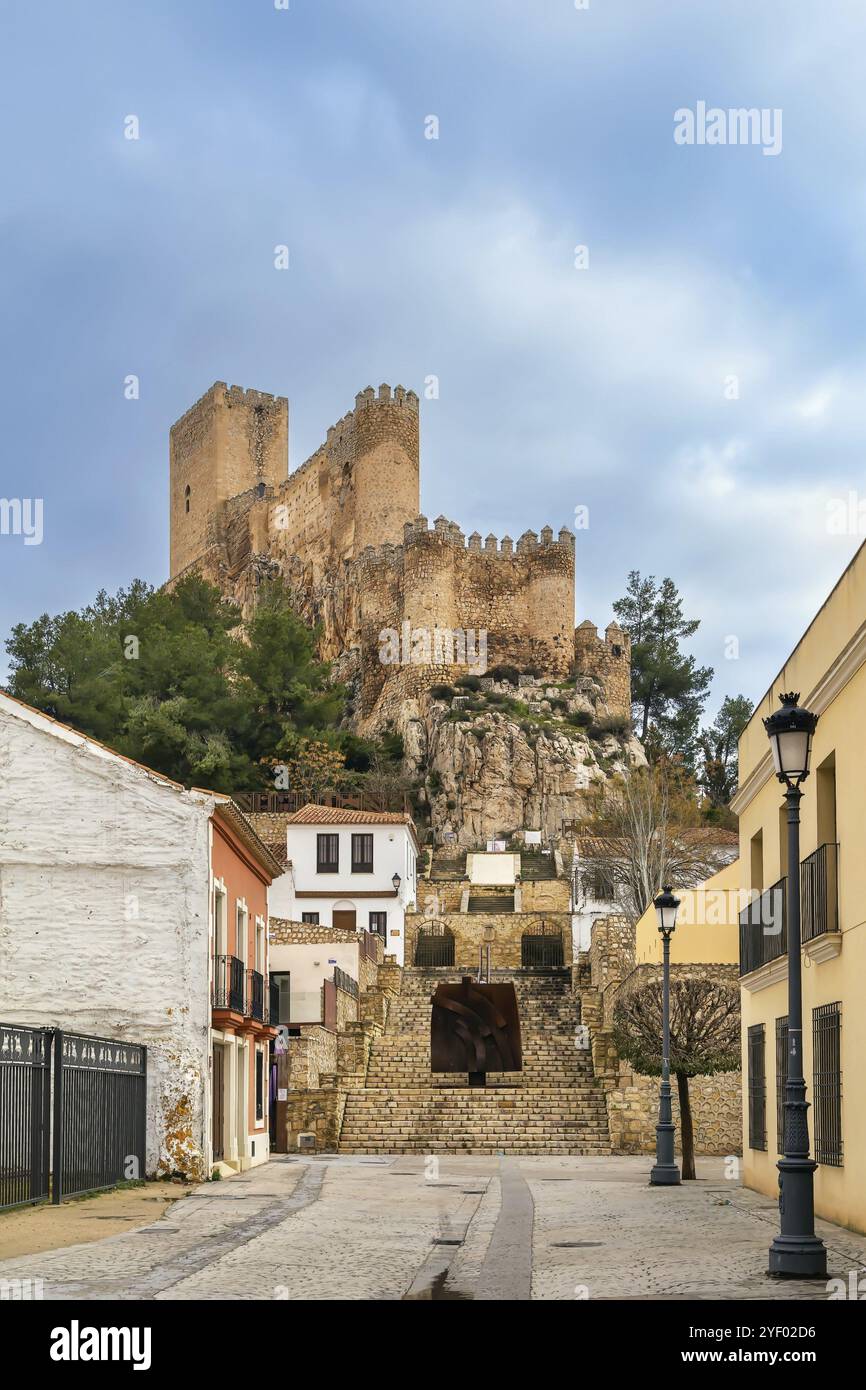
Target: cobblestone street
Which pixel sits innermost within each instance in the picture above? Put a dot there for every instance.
(478, 1228)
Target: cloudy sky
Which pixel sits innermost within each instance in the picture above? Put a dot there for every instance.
(700, 385)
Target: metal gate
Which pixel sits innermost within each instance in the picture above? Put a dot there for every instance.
(72, 1104)
(541, 949)
(25, 1093)
(99, 1113)
(434, 945)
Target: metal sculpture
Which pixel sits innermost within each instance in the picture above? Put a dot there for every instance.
(475, 1028)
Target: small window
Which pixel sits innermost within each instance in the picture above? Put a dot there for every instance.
(311, 918)
(186, 496)
(757, 1089)
(379, 923)
(362, 854)
(327, 854)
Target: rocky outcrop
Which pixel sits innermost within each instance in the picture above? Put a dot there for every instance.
(487, 764)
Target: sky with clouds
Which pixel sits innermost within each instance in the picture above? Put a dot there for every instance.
(607, 387)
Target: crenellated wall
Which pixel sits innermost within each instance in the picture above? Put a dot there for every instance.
(345, 531)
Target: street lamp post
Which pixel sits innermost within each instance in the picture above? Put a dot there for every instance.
(665, 1172)
(796, 1251)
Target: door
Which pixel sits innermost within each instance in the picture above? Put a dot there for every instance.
(217, 1102)
(346, 918)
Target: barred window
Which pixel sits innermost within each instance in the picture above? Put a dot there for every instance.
(757, 1088)
(827, 1083)
(311, 918)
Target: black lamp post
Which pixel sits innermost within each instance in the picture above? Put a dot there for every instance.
(796, 1250)
(665, 1172)
(396, 880)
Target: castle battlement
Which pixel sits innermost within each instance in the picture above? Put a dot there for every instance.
(449, 533)
(347, 530)
(384, 396)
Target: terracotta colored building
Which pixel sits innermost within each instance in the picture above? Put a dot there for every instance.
(242, 869)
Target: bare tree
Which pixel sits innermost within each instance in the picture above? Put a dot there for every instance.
(705, 1038)
(646, 831)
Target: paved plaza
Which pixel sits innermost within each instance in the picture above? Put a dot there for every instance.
(453, 1228)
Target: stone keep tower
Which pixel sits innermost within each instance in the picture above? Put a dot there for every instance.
(232, 495)
(230, 442)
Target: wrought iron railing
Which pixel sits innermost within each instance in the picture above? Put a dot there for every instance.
(274, 1002)
(764, 928)
(256, 996)
(293, 800)
(345, 982)
(819, 893)
(229, 984)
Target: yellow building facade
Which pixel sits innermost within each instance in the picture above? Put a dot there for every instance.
(706, 931)
(828, 669)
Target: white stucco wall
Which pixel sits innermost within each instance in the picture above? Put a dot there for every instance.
(310, 965)
(495, 870)
(393, 852)
(104, 915)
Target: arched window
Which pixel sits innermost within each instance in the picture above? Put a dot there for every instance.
(186, 497)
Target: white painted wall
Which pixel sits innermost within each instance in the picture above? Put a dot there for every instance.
(393, 852)
(309, 965)
(104, 881)
(499, 870)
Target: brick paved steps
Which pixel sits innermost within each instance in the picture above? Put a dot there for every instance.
(464, 1119)
(553, 1106)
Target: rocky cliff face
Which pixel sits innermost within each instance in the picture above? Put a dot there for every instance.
(491, 762)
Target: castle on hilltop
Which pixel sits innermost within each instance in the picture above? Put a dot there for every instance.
(346, 531)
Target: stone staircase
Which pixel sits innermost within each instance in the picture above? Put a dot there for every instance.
(554, 1106)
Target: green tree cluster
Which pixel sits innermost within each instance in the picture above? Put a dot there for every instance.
(172, 679)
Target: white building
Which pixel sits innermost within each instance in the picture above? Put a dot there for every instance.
(350, 869)
(109, 905)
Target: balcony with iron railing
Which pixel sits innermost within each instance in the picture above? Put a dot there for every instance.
(256, 996)
(764, 928)
(764, 923)
(229, 984)
(819, 893)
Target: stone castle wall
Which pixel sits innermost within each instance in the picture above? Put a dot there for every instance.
(501, 931)
(345, 531)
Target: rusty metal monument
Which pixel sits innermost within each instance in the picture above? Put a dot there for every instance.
(475, 1028)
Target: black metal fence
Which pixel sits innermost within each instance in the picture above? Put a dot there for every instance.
(25, 1093)
(71, 1106)
(434, 946)
(827, 1083)
(541, 949)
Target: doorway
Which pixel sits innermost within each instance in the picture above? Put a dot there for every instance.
(346, 918)
(217, 1109)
